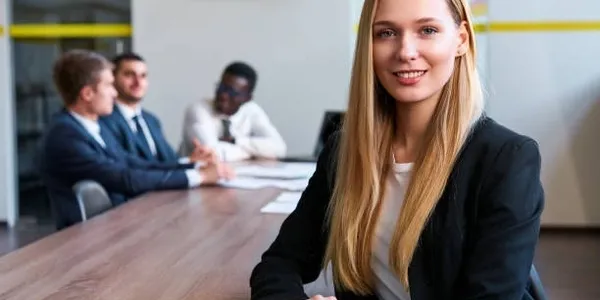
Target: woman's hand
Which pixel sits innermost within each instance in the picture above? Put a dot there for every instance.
(319, 297)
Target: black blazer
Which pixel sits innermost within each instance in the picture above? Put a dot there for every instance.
(478, 244)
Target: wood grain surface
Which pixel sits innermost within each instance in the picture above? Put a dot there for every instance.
(197, 244)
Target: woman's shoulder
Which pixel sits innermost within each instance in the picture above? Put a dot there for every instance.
(490, 137)
(493, 148)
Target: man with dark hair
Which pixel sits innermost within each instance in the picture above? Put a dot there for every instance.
(137, 130)
(77, 147)
(236, 127)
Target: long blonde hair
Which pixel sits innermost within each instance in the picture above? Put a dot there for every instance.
(364, 160)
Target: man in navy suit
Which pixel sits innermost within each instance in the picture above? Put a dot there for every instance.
(77, 147)
(138, 131)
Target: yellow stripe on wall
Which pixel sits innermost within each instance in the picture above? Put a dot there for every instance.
(49, 31)
(551, 26)
(545, 26)
(69, 30)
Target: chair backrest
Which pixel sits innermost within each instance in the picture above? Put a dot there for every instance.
(332, 120)
(537, 289)
(92, 198)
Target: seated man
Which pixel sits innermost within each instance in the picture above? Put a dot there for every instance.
(138, 131)
(77, 147)
(236, 127)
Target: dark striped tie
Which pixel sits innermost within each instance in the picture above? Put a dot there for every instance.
(140, 134)
(226, 128)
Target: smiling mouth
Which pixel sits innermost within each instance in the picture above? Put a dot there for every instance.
(409, 74)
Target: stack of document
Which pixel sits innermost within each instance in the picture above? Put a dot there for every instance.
(287, 176)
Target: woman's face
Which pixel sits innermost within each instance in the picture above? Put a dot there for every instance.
(415, 43)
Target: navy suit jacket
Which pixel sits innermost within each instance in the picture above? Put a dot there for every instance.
(70, 154)
(127, 139)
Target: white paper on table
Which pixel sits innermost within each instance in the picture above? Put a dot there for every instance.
(293, 185)
(287, 197)
(285, 203)
(277, 171)
(279, 208)
(259, 183)
(243, 183)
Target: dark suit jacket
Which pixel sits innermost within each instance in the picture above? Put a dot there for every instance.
(126, 137)
(70, 154)
(478, 244)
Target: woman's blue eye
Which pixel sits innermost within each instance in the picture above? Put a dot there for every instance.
(385, 33)
(429, 31)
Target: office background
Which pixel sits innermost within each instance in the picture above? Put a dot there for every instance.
(539, 62)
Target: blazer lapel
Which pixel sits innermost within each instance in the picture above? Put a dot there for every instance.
(133, 143)
(157, 137)
(87, 135)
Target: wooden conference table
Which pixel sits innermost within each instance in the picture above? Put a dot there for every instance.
(197, 244)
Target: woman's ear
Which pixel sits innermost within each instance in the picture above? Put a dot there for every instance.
(463, 39)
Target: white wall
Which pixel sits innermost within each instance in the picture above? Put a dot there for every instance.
(547, 85)
(7, 150)
(300, 49)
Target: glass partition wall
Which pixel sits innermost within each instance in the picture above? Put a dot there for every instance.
(40, 31)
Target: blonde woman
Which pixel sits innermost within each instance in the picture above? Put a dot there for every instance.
(421, 196)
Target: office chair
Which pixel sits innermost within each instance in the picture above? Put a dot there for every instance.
(332, 121)
(536, 288)
(92, 198)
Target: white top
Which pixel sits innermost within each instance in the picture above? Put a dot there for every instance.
(387, 284)
(93, 128)
(255, 135)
